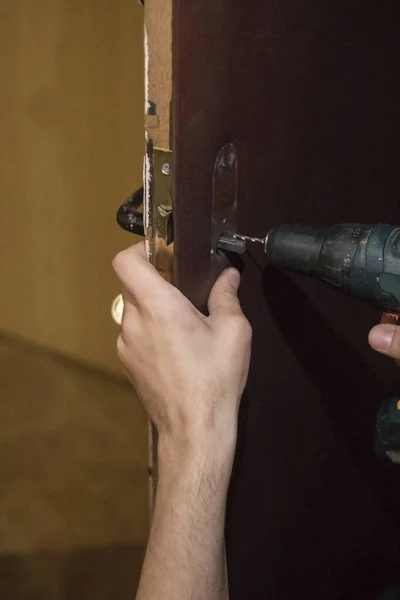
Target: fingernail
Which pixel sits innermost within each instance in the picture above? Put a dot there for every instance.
(234, 278)
(381, 337)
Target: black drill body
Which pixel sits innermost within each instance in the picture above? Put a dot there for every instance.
(360, 260)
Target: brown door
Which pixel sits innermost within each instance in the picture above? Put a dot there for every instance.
(303, 98)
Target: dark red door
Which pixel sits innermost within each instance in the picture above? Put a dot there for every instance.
(309, 94)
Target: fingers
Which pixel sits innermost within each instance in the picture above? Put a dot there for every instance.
(223, 297)
(165, 259)
(385, 338)
(140, 279)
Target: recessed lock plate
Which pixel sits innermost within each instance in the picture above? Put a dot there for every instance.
(225, 197)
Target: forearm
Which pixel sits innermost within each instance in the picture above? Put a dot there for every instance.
(185, 557)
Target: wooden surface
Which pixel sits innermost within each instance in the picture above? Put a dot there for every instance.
(309, 93)
(158, 71)
(71, 151)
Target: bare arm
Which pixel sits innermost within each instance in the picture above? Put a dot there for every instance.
(185, 555)
(189, 371)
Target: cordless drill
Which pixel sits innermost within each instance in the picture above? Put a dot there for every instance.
(359, 260)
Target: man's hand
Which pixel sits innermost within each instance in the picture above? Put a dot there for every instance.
(189, 371)
(385, 338)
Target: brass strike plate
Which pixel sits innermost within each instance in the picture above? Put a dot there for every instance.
(163, 193)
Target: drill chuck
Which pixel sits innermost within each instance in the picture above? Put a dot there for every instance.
(296, 248)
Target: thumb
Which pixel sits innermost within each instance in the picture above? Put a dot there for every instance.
(386, 339)
(223, 295)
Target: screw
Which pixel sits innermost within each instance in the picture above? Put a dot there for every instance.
(166, 169)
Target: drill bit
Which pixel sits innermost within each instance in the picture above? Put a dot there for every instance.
(247, 238)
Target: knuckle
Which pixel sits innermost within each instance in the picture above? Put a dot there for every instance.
(119, 261)
(120, 345)
(131, 323)
(240, 327)
(245, 330)
(230, 297)
(128, 329)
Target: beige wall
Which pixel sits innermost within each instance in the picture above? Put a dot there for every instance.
(71, 140)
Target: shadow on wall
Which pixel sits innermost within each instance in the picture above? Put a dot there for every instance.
(73, 479)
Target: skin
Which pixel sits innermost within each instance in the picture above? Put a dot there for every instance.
(385, 338)
(189, 371)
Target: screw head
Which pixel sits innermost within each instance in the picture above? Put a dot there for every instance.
(166, 169)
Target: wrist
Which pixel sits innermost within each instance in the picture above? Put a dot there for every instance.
(199, 452)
